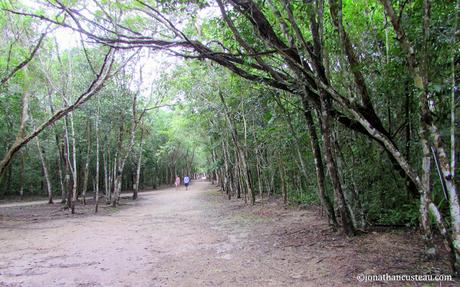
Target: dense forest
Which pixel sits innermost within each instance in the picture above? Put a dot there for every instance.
(349, 105)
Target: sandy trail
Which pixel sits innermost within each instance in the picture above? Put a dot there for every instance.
(40, 202)
(196, 238)
(170, 238)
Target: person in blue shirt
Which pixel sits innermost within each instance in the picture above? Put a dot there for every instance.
(186, 181)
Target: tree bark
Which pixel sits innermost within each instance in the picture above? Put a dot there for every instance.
(319, 169)
(282, 176)
(122, 157)
(86, 169)
(21, 176)
(346, 222)
(139, 164)
(227, 184)
(96, 197)
(41, 155)
(73, 165)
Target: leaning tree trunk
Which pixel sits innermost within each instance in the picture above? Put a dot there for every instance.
(94, 87)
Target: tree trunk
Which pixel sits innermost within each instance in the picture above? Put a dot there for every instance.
(59, 162)
(347, 224)
(45, 170)
(139, 164)
(259, 175)
(21, 176)
(86, 170)
(295, 137)
(106, 175)
(122, 157)
(282, 176)
(73, 170)
(66, 162)
(96, 176)
(319, 169)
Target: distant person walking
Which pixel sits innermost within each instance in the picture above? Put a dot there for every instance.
(186, 181)
(177, 183)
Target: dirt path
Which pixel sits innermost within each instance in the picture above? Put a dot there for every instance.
(193, 238)
(45, 201)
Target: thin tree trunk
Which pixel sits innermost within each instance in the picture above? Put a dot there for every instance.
(320, 177)
(424, 139)
(96, 197)
(59, 149)
(86, 170)
(295, 137)
(259, 175)
(346, 221)
(282, 176)
(117, 170)
(454, 95)
(214, 176)
(73, 170)
(121, 158)
(106, 175)
(21, 176)
(59, 162)
(227, 184)
(139, 164)
(66, 162)
(348, 193)
(45, 170)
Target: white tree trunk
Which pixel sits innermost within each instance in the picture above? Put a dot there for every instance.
(97, 161)
(86, 170)
(139, 164)
(73, 166)
(45, 170)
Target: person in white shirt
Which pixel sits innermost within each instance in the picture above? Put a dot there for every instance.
(186, 181)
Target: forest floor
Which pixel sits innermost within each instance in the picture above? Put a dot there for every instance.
(196, 238)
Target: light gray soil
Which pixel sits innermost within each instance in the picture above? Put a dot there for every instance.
(196, 238)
